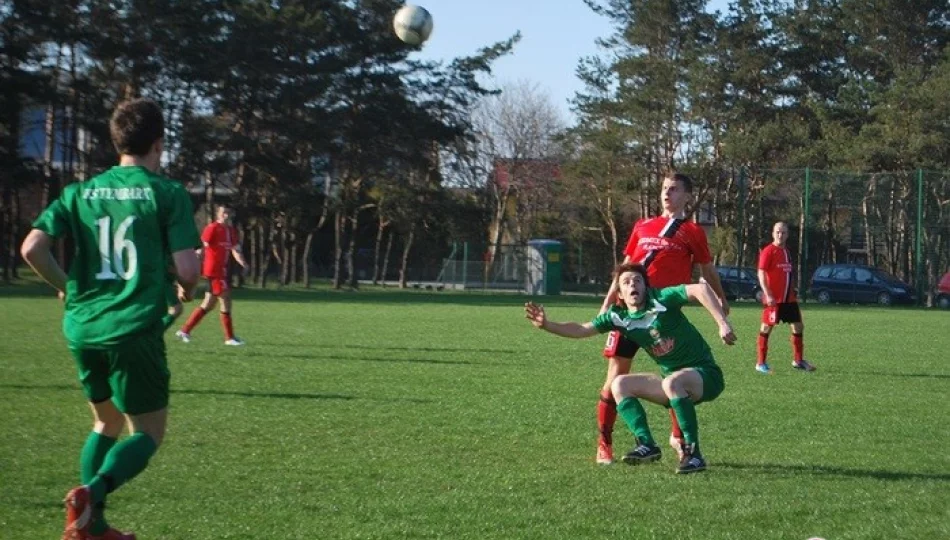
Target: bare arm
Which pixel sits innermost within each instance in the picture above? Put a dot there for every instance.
(703, 293)
(711, 276)
(611, 297)
(36, 251)
(239, 256)
(764, 283)
(186, 271)
(535, 314)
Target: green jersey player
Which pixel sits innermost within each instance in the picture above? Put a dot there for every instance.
(654, 320)
(126, 225)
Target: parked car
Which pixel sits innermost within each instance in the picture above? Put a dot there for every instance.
(859, 284)
(942, 297)
(738, 282)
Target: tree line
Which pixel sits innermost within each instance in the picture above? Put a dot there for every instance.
(343, 152)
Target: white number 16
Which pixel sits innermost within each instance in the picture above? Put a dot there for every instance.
(120, 246)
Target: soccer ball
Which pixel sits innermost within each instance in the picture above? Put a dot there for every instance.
(412, 24)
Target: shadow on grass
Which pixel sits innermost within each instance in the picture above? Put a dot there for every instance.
(822, 470)
(850, 374)
(227, 393)
(387, 348)
(355, 358)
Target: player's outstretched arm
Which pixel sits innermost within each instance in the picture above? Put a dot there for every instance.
(703, 293)
(186, 270)
(36, 251)
(535, 314)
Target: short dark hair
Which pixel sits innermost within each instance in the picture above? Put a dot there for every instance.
(685, 179)
(135, 126)
(632, 267)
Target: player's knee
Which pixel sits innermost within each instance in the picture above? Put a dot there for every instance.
(110, 427)
(672, 387)
(618, 388)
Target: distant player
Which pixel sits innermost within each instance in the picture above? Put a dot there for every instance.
(221, 241)
(668, 246)
(126, 224)
(781, 304)
(654, 320)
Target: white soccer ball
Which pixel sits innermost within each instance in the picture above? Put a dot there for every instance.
(412, 24)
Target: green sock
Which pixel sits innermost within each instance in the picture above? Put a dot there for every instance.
(636, 418)
(126, 460)
(168, 320)
(686, 414)
(93, 454)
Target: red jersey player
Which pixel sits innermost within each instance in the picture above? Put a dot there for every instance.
(220, 240)
(778, 295)
(668, 246)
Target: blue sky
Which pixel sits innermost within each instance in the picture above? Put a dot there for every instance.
(555, 34)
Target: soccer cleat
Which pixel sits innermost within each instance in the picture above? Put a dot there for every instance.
(691, 461)
(642, 454)
(763, 368)
(605, 453)
(112, 534)
(803, 366)
(185, 337)
(78, 514)
(676, 443)
(234, 342)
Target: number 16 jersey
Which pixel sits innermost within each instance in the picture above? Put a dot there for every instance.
(124, 224)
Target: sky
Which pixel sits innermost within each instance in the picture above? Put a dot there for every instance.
(555, 35)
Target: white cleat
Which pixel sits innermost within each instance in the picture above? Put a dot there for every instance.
(185, 337)
(234, 342)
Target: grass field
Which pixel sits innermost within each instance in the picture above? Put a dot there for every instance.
(388, 415)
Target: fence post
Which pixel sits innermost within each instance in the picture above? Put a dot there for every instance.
(918, 280)
(464, 264)
(807, 209)
(741, 211)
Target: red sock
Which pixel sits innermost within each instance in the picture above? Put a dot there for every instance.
(194, 319)
(606, 416)
(226, 324)
(798, 346)
(763, 347)
(675, 428)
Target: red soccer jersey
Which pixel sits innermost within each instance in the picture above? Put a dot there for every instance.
(218, 240)
(668, 248)
(777, 264)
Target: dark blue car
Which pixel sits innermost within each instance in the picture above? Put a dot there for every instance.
(859, 284)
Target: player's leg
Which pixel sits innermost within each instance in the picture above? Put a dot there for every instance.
(139, 379)
(619, 354)
(793, 315)
(769, 320)
(206, 305)
(227, 324)
(685, 389)
(627, 391)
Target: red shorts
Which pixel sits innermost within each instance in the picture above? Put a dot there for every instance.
(779, 313)
(219, 286)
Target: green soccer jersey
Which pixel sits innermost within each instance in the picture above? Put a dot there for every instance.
(124, 224)
(661, 329)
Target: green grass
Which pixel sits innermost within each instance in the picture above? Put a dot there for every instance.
(386, 414)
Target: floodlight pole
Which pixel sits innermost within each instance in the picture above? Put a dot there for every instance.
(920, 224)
(805, 235)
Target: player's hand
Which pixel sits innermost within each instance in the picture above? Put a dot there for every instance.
(246, 270)
(769, 301)
(535, 314)
(185, 295)
(726, 333)
(61, 295)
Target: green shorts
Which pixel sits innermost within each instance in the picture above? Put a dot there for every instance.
(133, 374)
(713, 382)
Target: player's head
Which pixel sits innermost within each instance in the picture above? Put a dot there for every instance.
(138, 129)
(224, 213)
(780, 233)
(676, 192)
(632, 284)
